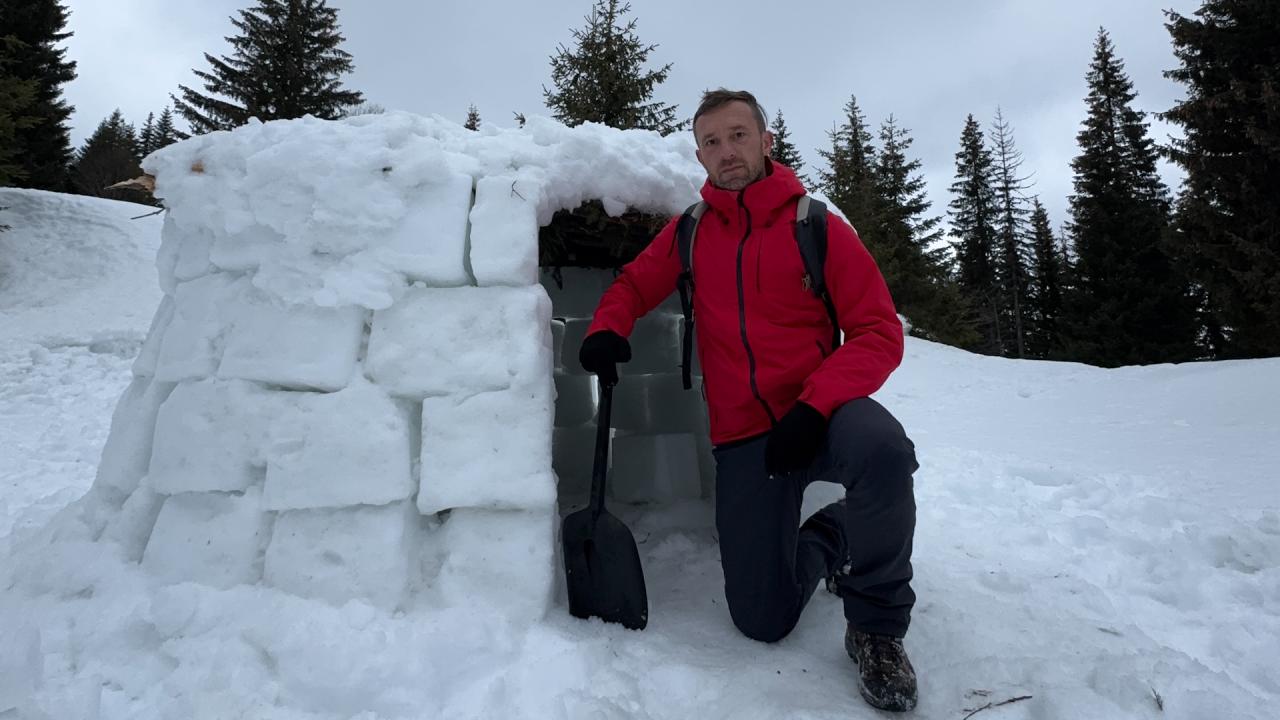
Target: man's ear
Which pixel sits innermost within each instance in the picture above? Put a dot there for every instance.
(767, 138)
(698, 154)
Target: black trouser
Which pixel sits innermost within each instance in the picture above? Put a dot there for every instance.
(772, 562)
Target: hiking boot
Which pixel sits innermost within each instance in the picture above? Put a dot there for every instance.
(886, 679)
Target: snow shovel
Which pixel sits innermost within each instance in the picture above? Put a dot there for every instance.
(601, 563)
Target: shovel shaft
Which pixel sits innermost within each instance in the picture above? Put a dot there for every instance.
(601, 466)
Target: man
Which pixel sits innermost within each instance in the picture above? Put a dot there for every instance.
(786, 408)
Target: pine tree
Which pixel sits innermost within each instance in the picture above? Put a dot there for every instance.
(1228, 216)
(16, 95)
(286, 63)
(32, 73)
(784, 151)
(849, 180)
(165, 133)
(147, 137)
(907, 245)
(109, 156)
(973, 217)
(603, 79)
(1011, 221)
(1045, 307)
(1127, 304)
(473, 118)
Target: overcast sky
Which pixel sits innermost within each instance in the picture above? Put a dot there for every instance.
(928, 62)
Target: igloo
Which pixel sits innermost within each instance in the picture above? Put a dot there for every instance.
(361, 385)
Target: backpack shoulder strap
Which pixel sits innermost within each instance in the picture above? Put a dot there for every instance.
(686, 233)
(811, 238)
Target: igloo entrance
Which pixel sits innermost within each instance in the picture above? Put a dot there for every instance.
(660, 450)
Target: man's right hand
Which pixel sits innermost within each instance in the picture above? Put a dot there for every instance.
(601, 352)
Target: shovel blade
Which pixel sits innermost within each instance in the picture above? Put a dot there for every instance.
(603, 571)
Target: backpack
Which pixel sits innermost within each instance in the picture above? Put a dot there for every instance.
(811, 238)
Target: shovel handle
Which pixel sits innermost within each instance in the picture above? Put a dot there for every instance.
(601, 466)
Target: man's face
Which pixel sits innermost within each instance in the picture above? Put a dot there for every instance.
(731, 145)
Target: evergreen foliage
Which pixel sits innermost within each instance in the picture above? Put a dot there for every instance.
(603, 78)
(286, 63)
(907, 246)
(784, 151)
(1045, 306)
(973, 217)
(1128, 304)
(473, 118)
(849, 179)
(35, 141)
(1011, 231)
(109, 156)
(1228, 214)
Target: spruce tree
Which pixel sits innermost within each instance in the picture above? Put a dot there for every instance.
(286, 63)
(473, 118)
(784, 151)
(1127, 304)
(973, 220)
(1011, 221)
(165, 133)
(603, 78)
(16, 95)
(109, 156)
(1045, 308)
(32, 72)
(1228, 215)
(849, 179)
(907, 246)
(147, 137)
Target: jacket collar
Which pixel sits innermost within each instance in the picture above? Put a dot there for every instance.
(775, 190)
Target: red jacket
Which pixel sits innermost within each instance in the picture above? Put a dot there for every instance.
(763, 338)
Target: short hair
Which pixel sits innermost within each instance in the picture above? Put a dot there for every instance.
(720, 97)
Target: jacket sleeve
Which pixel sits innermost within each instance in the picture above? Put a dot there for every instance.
(644, 283)
(873, 343)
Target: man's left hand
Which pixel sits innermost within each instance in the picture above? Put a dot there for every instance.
(795, 440)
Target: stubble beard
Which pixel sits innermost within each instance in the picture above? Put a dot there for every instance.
(736, 185)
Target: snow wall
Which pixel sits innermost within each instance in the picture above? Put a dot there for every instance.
(349, 390)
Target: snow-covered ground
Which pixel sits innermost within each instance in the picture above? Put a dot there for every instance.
(1106, 542)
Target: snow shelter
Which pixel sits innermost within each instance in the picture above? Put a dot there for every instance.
(362, 382)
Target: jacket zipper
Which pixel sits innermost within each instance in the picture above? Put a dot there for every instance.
(742, 315)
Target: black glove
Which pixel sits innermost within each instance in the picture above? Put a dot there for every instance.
(795, 440)
(601, 352)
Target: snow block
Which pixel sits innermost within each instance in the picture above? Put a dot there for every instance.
(573, 457)
(353, 553)
(295, 346)
(21, 664)
(557, 342)
(655, 468)
(653, 404)
(127, 454)
(655, 345)
(208, 437)
(575, 331)
(430, 243)
(244, 249)
(504, 231)
(192, 344)
(491, 450)
(575, 399)
(145, 364)
(214, 539)
(193, 255)
(331, 450)
(132, 526)
(578, 292)
(445, 341)
(503, 562)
